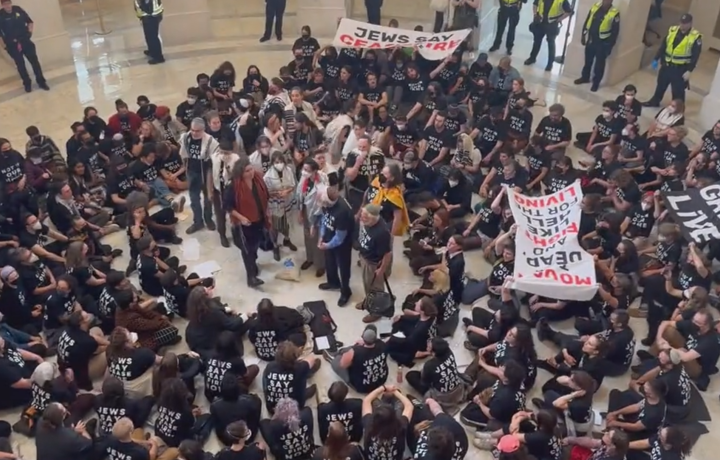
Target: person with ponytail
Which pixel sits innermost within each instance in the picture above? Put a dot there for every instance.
(241, 449)
(337, 445)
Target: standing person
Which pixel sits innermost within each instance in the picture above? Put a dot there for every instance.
(509, 11)
(312, 182)
(150, 13)
(547, 16)
(281, 182)
(246, 200)
(373, 11)
(336, 227)
(677, 57)
(274, 10)
(197, 149)
(16, 28)
(222, 165)
(375, 251)
(600, 33)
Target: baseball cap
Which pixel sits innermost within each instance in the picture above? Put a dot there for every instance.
(482, 57)
(508, 444)
(369, 335)
(373, 209)
(410, 158)
(686, 18)
(675, 357)
(162, 111)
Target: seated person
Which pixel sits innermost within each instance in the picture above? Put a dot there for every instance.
(340, 408)
(16, 368)
(586, 356)
(439, 378)
(177, 419)
(241, 445)
(338, 444)
(572, 394)
(640, 218)
(160, 226)
(517, 346)
(123, 442)
(504, 247)
(289, 433)
(412, 333)
(16, 307)
(112, 404)
(619, 336)
(115, 282)
(606, 131)
(287, 376)
(82, 349)
(669, 369)
(600, 170)
(363, 366)
(272, 325)
(54, 439)
(208, 318)
(151, 266)
(485, 327)
(593, 316)
(131, 363)
(623, 192)
(34, 344)
(562, 175)
(670, 441)
(466, 160)
(176, 291)
(184, 367)
(231, 405)
(538, 164)
(536, 431)
(484, 227)
(171, 168)
(457, 196)
(670, 116)
(420, 224)
(227, 357)
(153, 329)
(422, 253)
(612, 445)
(385, 426)
(639, 418)
(436, 434)
(90, 281)
(499, 402)
(36, 237)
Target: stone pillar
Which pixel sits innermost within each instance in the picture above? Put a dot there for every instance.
(628, 51)
(321, 15)
(185, 21)
(49, 35)
(706, 15)
(487, 24)
(710, 108)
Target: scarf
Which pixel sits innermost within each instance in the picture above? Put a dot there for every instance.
(245, 201)
(394, 196)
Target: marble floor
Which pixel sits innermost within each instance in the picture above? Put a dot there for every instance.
(112, 66)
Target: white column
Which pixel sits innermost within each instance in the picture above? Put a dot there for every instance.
(321, 15)
(185, 21)
(706, 14)
(49, 35)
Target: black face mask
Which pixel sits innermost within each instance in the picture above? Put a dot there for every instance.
(382, 179)
(124, 117)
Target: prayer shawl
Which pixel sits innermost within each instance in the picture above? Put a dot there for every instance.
(279, 206)
(307, 194)
(393, 195)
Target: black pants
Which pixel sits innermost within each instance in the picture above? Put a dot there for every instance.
(373, 11)
(548, 31)
(274, 11)
(596, 52)
(247, 239)
(670, 75)
(220, 214)
(439, 20)
(339, 261)
(151, 30)
(414, 379)
(480, 318)
(20, 50)
(506, 14)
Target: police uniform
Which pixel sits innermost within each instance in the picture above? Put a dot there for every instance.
(15, 32)
(599, 35)
(150, 13)
(678, 55)
(274, 11)
(509, 11)
(546, 24)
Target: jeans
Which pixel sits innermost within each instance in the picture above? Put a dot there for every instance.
(202, 212)
(161, 192)
(475, 290)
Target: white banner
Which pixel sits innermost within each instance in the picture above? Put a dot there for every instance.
(549, 260)
(356, 34)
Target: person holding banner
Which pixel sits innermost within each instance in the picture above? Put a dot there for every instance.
(486, 328)
(503, 269)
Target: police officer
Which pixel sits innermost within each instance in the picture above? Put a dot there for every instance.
(599, 35)
(678, 55)
(274, 12)
(150, 13)
(547, 16)
(16, 28)
(509, 11)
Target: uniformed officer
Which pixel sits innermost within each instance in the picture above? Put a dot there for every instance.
(509, 11)
(599, 35)
(547, 17)
(16, 28)
(677, 56)
(150, 13)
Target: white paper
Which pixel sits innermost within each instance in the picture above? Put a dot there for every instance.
(191, 249)
(206, 269)
(384, 326)
(597, 418)
(243, 316)
(250, 360)
(399, 335)
(322, 343)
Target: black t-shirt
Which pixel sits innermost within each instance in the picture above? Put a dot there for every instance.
(11, 167)
(135, 364)
(520, 122)
(225, 412)
(405, 137)
(308, 46)
(453, 123)
(148, 268)
(500, 271)
(249, 452)
(75, 347)
(374, 241)
(652, 415)
(436, 141)
(442, 420)
(337, 218)
(33, 276)
(369, 368)
(505, 402)
(621, 345)
(372, 94)
(346, 90)
(265, 342)
(543, 445)
(384, 449)
(658, 452)
(222, 134)
(710, 144)
(555, 132)
(603, 170)
(637, 144)
(414, 90)
(172, 163)
(118, 450)
(281, 383)
(442, 374)
(537, 161)
(222, 83)
(331, 66)
(299, 72)
(110, 412)
(556, 181)
(292, 445)
(12, 369)
(56, 307)
(144, 172)
(349, 412)
(215, 369)
(371, 167)
(635, 107)
(690, 277)
(113, 148)
(606, 128)
(678, 385)
(478, 71)
(489, 223)
(186, 112)
(641, 221)
(631, 193)
(174, 425)
(28, 240)
(120, 184)
(490, 133)
(668, 252)
(706, 345)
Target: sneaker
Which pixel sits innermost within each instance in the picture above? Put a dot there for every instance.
(310, 391)
(328, 287)
(210, 225)
(181, 269)
(467, 322)
(484, 443)
(542, 329)
(539, 403)
(115, 253)
(194, 228)
(288, 244)
(370, 318)
(132, 266)
(470, 346)
(176, 240)
(305, 265)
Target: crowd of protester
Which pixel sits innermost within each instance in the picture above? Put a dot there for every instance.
(364, 147)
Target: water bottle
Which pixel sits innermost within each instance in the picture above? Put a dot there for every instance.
(400, 375)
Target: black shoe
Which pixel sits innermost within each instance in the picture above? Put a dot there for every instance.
(146, 52)
(115, 253)
(276, 254)
(581, 81)
(210, 225)
(305, 265)
(494, 48)
(549, 67)
(543, 329)
(91, 426)
(539, 403)
(224, 241)
(311, 391)
(180, 204)
(319, 273)
(155, 61)
(176, 240)
(509, 51)
(264, 38)
(28, 88)
(467, 322)
(343, 300)
(44, 86)
(181, 269)
(328, 287)
(288, 244)
(279, 37)
(132, 266)
(194, 228)
(529, 61)
(647, 341)
(650, 103)
(594, 88)
(254, 282)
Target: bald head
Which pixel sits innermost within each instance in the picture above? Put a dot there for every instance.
(123, 428)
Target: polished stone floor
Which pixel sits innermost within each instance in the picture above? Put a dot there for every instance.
(112, 66)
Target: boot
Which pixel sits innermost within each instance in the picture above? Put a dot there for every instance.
(224, 241)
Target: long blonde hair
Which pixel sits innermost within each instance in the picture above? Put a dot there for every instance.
(440, 279)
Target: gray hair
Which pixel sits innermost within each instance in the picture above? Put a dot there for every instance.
(198, 123)
(288, 412)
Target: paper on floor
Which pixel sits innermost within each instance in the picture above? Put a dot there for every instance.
(206, 269)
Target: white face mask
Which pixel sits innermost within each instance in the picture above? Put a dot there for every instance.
(264, 150)
(452, 183)
(36, 161)
(33, 258)
(401, 127)
(279, 167)
(645, 206)
(304, 174)
(133, 337)
(191, 100)
(629, 97)
(37, 225)
(625, 132)
(662, 238)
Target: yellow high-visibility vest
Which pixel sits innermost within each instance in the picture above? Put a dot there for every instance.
(556, 10)
(157, 9)
(509, 2)
(606, 25)
(682, 53)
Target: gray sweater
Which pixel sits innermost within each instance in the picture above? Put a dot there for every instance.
(503, 81)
